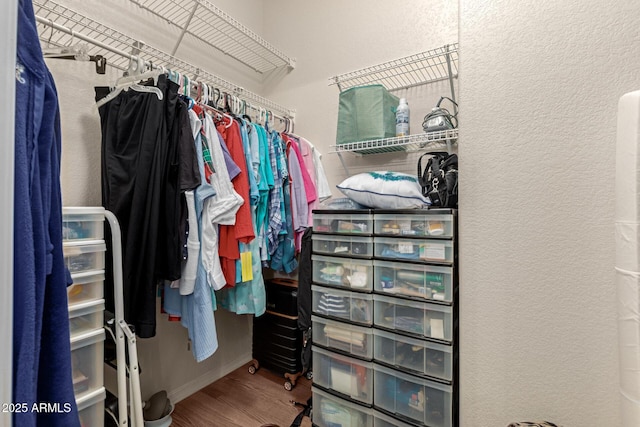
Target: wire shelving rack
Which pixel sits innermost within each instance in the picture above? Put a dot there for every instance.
(206, 22)
(60, 26)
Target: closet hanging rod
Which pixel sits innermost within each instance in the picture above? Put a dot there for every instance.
(87, 39)
(79, 26)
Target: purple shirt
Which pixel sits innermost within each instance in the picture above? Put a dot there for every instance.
(232, 167)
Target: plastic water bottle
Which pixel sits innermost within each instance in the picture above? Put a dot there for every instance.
(402, 118)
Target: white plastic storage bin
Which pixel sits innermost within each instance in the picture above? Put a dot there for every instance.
(347, 376)
(415, 398)
(353, 246)
(84, 256)
(417, 225)
(343, 222)
(414, 280)
(82, 223)
(384, 420)
(413, 317)
(85, 317)
(350, 306)
(91, 408)
(410, 354)
(332, 411)
(87, 362)
(88, 286)
(418, 250)
(351, 339)
(356, 274)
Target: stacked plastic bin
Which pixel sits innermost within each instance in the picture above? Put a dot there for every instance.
(414, 283)
(84, 252)
(342, 306)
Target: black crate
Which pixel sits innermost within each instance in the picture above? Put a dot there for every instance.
(282, 296)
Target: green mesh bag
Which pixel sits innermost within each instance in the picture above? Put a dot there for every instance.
(366, 112)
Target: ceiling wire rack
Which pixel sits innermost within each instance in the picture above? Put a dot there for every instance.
(206, 22)
(403, 73)
(60, 26)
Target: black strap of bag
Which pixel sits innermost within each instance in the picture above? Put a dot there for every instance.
(439, 178)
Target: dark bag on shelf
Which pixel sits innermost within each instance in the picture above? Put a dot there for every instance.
(439, 179)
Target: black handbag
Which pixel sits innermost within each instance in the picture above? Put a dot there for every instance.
(439, 178)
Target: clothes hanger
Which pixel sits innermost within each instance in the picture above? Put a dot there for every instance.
(135, 74)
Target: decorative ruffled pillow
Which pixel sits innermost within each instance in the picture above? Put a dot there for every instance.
(384, 190)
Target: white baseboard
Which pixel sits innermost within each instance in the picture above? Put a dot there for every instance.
(207, 378)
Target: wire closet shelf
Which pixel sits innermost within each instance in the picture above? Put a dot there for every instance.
(414, 70)
(60, 26)
(206, 22)
(440, 140)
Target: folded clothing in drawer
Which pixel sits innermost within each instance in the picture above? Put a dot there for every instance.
(332, 411)
(351, 306)
(350, 339)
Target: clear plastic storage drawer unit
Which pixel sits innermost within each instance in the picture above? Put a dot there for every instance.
(356, 274)
(84, 256)
(417, 399)
(332, 411)
(347, 376)
(87, 362)
(86, 287)
(413, 317)
(82, 223)
(91, 408)
(384, 420)
(85, 317)
(411, 354)
(414, 280)
(415, 250)
(350, 306)
(350, 339)
(343, 222)
(414, 224)
(352, 246)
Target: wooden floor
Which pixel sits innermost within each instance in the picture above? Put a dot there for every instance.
(243, 400)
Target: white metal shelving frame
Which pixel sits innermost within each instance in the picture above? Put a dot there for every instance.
(60, 26)
(206, 22)
(415, 70)
(403, 73)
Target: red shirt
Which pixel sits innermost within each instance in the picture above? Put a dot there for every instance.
(242, 231)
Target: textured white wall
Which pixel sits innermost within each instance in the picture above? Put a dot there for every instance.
(166, 361)
(540, 82)
(334, 37)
